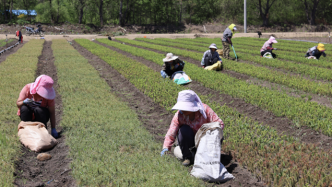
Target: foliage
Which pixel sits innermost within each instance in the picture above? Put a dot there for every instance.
(21, 16)
(294, 81)
(108, 144)
(277, 159)
(310, 114)
(15, 73)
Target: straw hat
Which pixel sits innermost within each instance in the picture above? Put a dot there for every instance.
(170, 57)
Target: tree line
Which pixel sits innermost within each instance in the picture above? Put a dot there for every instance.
(170, 12)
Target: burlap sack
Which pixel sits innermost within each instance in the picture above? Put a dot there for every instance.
(35, 136)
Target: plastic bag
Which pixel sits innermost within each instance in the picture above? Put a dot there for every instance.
(35, 136)
(217, 66)
(207, 165)
(180, 77)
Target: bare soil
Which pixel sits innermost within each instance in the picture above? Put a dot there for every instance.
(74, 28)
(282, 124)
(56, 171)
(154, 117)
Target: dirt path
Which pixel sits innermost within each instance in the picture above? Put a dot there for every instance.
(9, 52)
(54, 172)
(155, 118)
(282, 124)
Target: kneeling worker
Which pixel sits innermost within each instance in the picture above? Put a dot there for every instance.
(191, 115)
(36, 102)
(171, 65)
(316, 51)
(211, 59)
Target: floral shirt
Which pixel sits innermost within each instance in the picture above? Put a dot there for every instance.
(179, 119)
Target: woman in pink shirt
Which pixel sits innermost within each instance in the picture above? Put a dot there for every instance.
(191, 115)
(36, 102)
(267, 47)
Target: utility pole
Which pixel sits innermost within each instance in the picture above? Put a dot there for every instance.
(245, 16)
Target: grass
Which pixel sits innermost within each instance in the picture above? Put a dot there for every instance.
(108, 144)
(309, 114)
(15, 73)
(278, 159)
(3, 42)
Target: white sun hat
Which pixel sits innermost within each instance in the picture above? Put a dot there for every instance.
(170, 57)
(213, 45)
(188, 100)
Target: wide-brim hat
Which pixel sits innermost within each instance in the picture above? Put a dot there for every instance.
(187, 101)
(43, 86)
(321, 47)
(214, 46)
(170, 57)
(273, 40)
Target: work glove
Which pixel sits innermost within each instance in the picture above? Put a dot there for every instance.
(324, 54)
(163, 152)
(27, 101)
(54, 133)
(275, 48)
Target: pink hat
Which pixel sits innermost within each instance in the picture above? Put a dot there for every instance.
(188, 100)
(273, 40)
(44, 87)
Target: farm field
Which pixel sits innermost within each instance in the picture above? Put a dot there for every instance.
(113, 110)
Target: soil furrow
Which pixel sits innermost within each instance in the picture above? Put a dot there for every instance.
(11, 51)
(56, 171)
(285, 71)
(320, 99)
(282, 124)
(155, 118)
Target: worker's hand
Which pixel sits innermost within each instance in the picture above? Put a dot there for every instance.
(275, 48)
(203, 66)
(163, 152)
(167, 77)
(324, 54)
(163, 74)
(27, 101)
(54, 133)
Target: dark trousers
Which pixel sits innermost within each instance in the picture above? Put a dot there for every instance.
(41, 114)
(20, 37)
(270, 51)
(211, 62)
(186, 139)
(315, 55)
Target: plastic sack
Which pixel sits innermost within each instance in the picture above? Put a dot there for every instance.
(220, 52)
(311, 57)
(181, 77)
(268, 55)
(35, 136)
(178, 153)
(216, 66)
(207, 165)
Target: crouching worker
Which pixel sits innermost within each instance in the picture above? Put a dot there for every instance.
(211, 59)
(191, 115)
(316, 51)
(267, 48)
(36, 102)
(171, 65)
